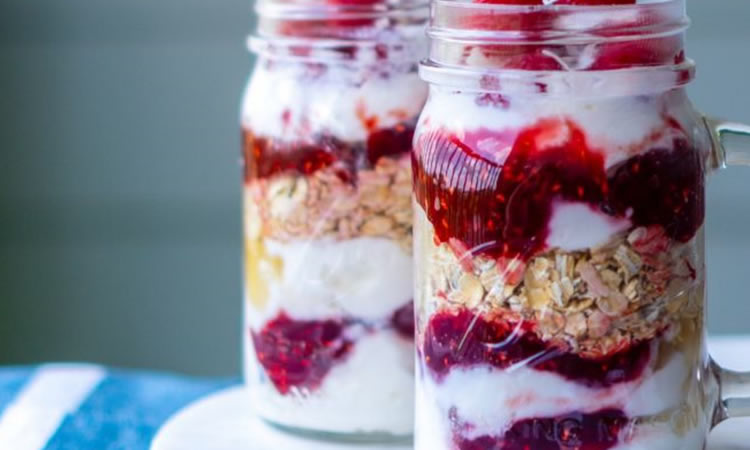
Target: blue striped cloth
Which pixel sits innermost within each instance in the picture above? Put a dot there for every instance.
(87, 407)
(61, 407)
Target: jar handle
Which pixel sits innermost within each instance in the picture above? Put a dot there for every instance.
(735, 394)
(731, 147)
(731, 143)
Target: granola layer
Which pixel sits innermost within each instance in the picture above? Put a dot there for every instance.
(291, 206)
(593, 302)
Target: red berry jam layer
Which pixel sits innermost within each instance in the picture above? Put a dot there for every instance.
(502, 208)
(465, 339)
(266, 157)
(298, 354)
(597, 431)
(403, 321)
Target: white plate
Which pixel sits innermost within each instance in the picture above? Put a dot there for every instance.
(224, 420)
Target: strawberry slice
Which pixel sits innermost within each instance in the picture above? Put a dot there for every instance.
(647, 52)
(559, 2)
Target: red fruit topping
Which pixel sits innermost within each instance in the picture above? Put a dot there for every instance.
(537, 60)
(347, 18)
(534, 23)
(325, 28)
(662, 187)
(527, 22)
(579, 431)
(403, 321)
(503, 208)
(638, 53)
(266, 157)
(299, 354)
(391, 142)
(355, 2)
(558, 2)
(511, 2)
(465, 339)
(523, 57)
(595, 2)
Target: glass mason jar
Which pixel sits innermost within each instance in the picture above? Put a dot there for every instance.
(328, 119)
(559, 172)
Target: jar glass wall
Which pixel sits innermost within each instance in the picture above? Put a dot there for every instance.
(559, 210)
(328, 121)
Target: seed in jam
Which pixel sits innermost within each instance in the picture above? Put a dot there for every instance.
(300, 353)
(502, 209)
(465, 339)
(579, 431)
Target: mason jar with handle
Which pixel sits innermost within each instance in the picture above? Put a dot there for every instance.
(559, 178)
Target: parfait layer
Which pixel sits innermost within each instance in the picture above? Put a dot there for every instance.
(560, 290)
(328, 239)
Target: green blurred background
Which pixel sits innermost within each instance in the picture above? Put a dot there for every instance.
(120, 183)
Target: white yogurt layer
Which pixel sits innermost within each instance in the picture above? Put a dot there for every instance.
(577, 226)
(522, 393)
(287, 101)
(365, 278)
(370, 391)
(601, 119)
(432, 429)
(433, 432)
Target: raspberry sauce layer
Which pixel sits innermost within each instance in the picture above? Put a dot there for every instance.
(403, 321)
(579, 431)
(465, 339)
(300, 353)
(265, 157)
(501, 206)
